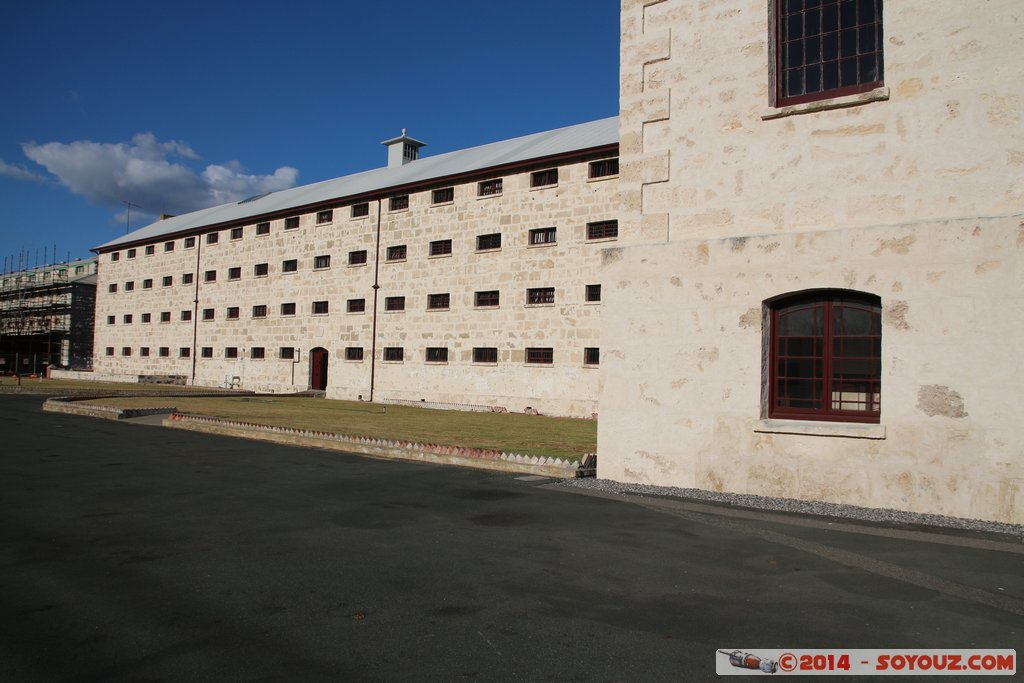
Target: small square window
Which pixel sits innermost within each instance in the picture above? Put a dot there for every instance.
(437, 354)
(235, 273)
(126, 350)
(190, 242)
(602, 168)
(394, 303)
(232, 313)
(443, 196)
(394, 353)
(489, 188)
(212, 238)
(289, 266)
(168, 246)
(488, 299)
(111, 319)
(187, 278)
(320, 262)
(127, 319)
(356, 305)
(321, 307)
(360, 210)
(540, 356)
(488, 242)
(206, 352)
(354, 353)
(324, 216)
(231, 352)
(399, 203)
(286, 353)
(602, 230)
(184, 352)
(259, 311)
(150, 249)
(263, 228)
(437, 302)
(288, 309)
(109, 351)
(257, 353)
(261, 269)
(167, 281)
(186, 315)
(544, 178)
(165, 316)
(357, 258)
(291, 223)
(209, 313)
(397, 253)
(115, 256)
(164, 351)
(112, 288)
(144, 351)
(236, 233)
(540, 295)
(593, 293)
(543, 236)
(131, 253)
(147, 317)
(129, 286)
(485, 354)
(441, 248)
(210, 276)
(591, 356)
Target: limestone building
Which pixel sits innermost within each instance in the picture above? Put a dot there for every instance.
(46, 316)
(466, 278)
(829, 303)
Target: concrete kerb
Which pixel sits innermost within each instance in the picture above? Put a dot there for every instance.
(439, 454)
(381, 448)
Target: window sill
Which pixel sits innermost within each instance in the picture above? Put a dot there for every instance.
(487, 308)
(439, 256)
(551, 305)
(603, 177)
(355, 312)
(392, 362)
(543, 187)
(317, 270)
(354, 265)
(491, 364)
(602, 239)
(396, 260)
(393, 312)
(539, 365)
(435, 362)
(325, 225)
(487, 251)
(854, 430)
(357, 361)
(405, 210)
(442, 204)
(358, 218)
(876, 95)
(488, 196)
(541, 245)
(438, 310)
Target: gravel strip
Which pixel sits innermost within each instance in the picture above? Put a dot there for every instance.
(804, 507)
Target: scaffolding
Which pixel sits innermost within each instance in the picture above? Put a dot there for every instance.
(47, 315)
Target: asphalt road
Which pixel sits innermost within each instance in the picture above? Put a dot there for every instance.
(131, 552)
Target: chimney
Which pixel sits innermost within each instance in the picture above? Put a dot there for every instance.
(402, 150)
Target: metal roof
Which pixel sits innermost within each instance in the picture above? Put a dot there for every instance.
(516, 150)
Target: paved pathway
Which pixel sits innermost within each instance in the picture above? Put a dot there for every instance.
(132, 552)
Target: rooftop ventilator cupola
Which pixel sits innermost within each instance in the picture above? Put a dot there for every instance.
(402, 150)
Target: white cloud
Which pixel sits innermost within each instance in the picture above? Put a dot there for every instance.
(150, 174)
(19, 172)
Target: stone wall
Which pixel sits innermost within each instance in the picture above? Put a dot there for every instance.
(912, 192)
(568, 386)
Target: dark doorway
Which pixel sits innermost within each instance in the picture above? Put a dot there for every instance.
(318, 369)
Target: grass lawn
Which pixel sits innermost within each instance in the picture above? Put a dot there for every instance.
(528, 434)
(57, 385)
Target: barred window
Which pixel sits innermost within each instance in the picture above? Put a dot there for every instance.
(323, 261)
(357, 258)
(485, 354)
(591, 356)
(543, 236)
(397, 253)
(324, 216)
(286, 353)
(236, 233)
(487, 299)
(440, 247)
(438, 301)
(394, 353)
(257, 353)
(356, 305)
(600, 230)
(593, 293)
(259, 311)
(603, 168)
(544, 178)
(443, 196)
(399, 203)
(394, 303)
(489, 188)
(540, 355)
(291, 223)
(487, 242)
(540, 295)
(437, 354)
(360, 210)
(354, 353)
(263, 228)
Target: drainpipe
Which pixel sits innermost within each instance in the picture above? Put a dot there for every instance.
(376, 292)
(195, 310)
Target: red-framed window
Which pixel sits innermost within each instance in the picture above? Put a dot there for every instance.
(826, 356)
(826, 48)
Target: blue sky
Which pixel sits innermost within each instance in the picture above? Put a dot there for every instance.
(173, 106)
